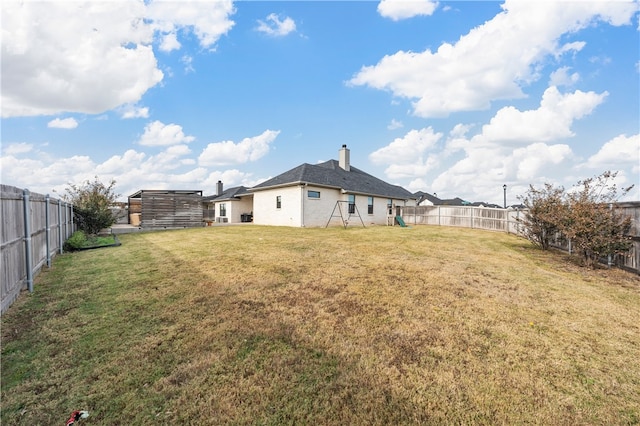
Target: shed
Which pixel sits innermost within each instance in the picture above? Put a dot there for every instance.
(166, 209)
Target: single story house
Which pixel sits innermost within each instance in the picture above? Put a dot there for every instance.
(329, 193)
(232, 205)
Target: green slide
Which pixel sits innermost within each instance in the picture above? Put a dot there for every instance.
(401, 222)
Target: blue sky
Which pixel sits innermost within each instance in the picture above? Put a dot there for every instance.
(453, 98)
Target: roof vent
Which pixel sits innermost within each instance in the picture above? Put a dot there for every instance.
(344, 158)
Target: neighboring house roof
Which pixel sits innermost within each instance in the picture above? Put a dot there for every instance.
(229, 194)
(454, 202)
(421, 196)
(331, 175)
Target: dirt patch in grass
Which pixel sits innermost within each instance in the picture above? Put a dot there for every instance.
(262, 325)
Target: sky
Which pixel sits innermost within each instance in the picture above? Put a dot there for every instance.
(452, 98)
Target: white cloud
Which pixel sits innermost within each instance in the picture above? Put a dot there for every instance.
(65, 123)
(187, 60)
(132, 111)
(172, 168)
(229, 178)
(91, 57)
(493, 61)
(561, 77)
(170, 42)
(403, 9)
(160, 134)
(395, 124)
(47, 70)
(552, 120)
(274, 26)
(17, 148)
(408, 149)
(247, 150)
(207, 19)
(537, 159)
(620, 151)
(514, 147)
(409, 156)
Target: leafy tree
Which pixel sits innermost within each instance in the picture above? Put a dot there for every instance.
(545, 208)
(91, 204)
(595, 225)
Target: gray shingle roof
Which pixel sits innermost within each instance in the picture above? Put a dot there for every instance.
(420, 196)
(228, 194)
(330, 174)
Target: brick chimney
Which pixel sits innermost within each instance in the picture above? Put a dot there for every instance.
(219, 188)
(344, 158)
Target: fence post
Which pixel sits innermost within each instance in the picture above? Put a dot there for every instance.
(47, 220)
(27, 238)
(471, 215)
(66, 233)
(507, 221)
(60, 241)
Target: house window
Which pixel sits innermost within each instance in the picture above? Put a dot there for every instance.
(313, 194)
(278, 201)
(390, 206)
(370, 205)
(223, 210)
(352, 204)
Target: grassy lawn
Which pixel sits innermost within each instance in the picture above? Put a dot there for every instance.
(266, 325)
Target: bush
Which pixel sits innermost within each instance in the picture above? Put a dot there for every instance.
(76, 241)
(91, 205)
(545, 208)
(587, 215)
(592, 221)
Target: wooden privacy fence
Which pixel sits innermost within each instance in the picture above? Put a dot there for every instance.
(33, 228)
(509, 221)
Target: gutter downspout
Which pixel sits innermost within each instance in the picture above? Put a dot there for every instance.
(302, 186)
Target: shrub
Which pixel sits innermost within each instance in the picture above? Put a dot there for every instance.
(587, 215)
(545, 208)
(76, 241)
(592, 221)
(91, 204)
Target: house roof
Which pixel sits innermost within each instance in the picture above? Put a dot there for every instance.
(330, 174)
(421, 196)
(229, 194)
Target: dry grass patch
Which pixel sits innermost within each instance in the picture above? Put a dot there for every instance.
(263, 325)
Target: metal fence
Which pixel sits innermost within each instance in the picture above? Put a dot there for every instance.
(510, 221)
(33, 229)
